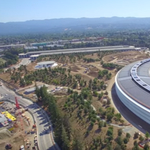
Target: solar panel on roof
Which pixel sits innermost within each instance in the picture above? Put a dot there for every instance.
(135, 76)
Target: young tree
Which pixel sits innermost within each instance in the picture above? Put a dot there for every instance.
(128, 135)
(118, 116)
(147, 135)
(118, 147)
(100, 96)
(122, 121)
(109, 116)
(125, 140)
(105, 124)
(108, 101)
(136, 147)
(22, 82)
(119, 140)
(109, 146)
(100, 124)
(77, 142)
(141, 138)
(136, 134)
(146, 147)
(95, 93)
(64, 138)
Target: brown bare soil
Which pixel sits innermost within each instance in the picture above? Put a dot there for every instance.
(74, 68)
(93, 74)
(31, 66)
(93, 56)
(16, 143)
(124, 58)
(5, 76)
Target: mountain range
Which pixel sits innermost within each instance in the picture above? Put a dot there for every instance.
(72, 24)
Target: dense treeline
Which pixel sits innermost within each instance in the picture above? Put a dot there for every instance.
(139, 38)
(111, 66)
(10, 57)
(62, 128)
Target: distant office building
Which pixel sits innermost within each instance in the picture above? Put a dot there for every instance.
(39, 44)
(31, 47)
(54, 45)
(12, 46)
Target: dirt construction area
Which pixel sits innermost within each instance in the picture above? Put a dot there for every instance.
(124, 58)
(19, 131)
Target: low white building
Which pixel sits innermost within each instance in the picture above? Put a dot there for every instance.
(33, 57)
(22, 55)
(46, 64)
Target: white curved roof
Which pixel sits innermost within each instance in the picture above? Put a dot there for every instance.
(130, 87)
(46, 62)
(34, 56)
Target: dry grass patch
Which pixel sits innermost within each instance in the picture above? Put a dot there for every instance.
(93, 56)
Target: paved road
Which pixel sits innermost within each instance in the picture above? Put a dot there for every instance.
(44, 130)
(24, 62)
(128, 115)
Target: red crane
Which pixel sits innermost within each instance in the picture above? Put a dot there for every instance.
(17, 104)
(19, 114)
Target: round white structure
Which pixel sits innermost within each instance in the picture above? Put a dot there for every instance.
(132, 84)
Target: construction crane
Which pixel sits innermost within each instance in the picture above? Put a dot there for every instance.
(19, 114)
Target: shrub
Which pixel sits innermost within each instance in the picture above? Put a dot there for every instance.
(125, 140)
(141, 138)
(119, 132)
(136, 134)
(117, 147)
(105, 124)
(128, 135)
(119, 140)
(147, 135)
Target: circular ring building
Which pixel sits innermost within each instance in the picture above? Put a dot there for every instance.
(132, 84)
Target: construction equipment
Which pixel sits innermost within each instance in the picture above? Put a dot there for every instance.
(34, 126)
(8, 146)
(19, 114)
(1, 102)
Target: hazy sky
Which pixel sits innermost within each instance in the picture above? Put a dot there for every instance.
(22, 10)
